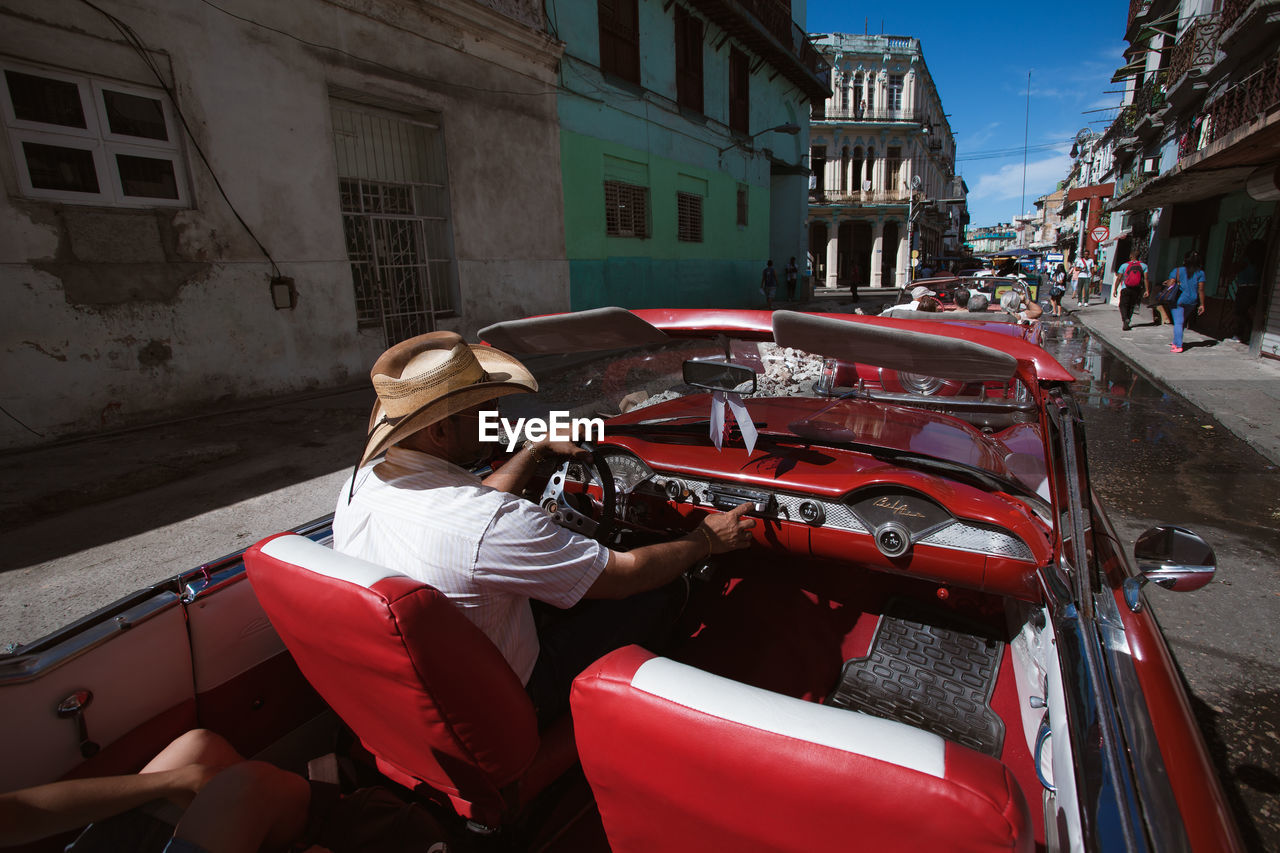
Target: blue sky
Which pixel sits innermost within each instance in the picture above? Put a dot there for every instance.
(979, 55)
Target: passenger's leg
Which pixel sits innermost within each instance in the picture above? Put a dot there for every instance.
(246, 807)
(198, 746)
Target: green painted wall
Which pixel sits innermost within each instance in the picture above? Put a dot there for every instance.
(660, 270)
(602, 117)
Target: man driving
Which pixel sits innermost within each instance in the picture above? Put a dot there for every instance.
(421, 512)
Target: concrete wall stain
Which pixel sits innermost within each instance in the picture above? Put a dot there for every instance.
(56, 356)
(155, 354)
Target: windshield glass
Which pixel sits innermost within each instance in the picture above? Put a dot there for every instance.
(988, 425)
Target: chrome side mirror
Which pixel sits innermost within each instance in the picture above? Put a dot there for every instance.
(1171, 557)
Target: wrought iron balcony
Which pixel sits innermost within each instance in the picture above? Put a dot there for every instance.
(866, 197)
(880, 116)
(1237, 107)
(1146, 112)
(1242, 103)
(1248, 26)
(1197, 50)
(766, 27)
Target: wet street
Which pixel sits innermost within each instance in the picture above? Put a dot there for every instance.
(1155, 459)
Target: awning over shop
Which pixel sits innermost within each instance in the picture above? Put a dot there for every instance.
(1222, 167)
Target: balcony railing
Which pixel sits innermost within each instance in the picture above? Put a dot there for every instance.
(859, 196)
(1197, 49)
(1232, 10)
(1136, 7)
(1146, 101)
(850, 114)
(1237, 106)
(766, 27)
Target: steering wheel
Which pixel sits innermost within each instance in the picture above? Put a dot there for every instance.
(561, 506)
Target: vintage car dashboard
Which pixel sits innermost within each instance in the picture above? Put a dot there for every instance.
(894, 526)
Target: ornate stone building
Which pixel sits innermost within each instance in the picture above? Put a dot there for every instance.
(882, 159)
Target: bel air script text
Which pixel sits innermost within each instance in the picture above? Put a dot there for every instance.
(558, 426)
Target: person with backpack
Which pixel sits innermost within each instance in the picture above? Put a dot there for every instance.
(1136, 287)
(1059, 287)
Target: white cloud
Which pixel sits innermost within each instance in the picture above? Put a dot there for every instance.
(977, 138)
(1042, 177)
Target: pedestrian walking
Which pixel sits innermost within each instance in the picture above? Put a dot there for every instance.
(792, 274)
(1057, 288)
(1087, 276)
(1134, 287)
(1077, 270)
(1189, 295)
(769, 283)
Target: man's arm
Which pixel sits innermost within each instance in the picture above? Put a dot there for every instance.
(513, 476)
(652, 566)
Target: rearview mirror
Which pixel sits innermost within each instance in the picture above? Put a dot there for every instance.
(718, 375)
(1172, 557)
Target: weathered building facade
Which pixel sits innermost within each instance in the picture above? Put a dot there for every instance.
(208, 204)
(1197, 163)
(883, 162)
(684, 128)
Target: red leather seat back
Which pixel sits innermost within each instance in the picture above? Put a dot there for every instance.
(680, 759)
(424, 689)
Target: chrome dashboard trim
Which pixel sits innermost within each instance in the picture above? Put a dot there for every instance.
(960, 536)
(956, 535)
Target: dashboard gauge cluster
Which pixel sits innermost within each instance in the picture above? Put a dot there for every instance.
(897, 519)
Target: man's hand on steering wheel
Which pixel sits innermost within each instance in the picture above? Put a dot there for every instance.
(729, 531)
(547, 449)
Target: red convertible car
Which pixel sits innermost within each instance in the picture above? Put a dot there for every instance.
(936, 641)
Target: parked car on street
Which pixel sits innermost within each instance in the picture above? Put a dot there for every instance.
(935, 642)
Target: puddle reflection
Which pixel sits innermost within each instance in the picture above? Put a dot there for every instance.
(1153, 454)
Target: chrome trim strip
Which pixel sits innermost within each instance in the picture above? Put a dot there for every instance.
(37, 660)
(962, 536)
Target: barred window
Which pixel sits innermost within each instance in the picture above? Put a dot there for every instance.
(743, 197)
(626, 210)
(393, 187)
(689, 217)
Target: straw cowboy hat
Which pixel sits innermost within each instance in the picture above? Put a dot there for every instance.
(430, 377)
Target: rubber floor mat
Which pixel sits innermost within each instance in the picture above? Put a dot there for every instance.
(929, 671)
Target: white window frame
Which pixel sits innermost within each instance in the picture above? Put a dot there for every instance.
(97, 138)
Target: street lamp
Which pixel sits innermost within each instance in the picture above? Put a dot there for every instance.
(789, 128)
(914, 211)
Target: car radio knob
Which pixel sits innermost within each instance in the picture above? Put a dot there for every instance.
(893, 539)
(811, 512)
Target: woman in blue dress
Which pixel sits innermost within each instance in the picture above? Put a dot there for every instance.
(1190, 295)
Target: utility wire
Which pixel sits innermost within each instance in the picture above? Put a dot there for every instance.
(400, 72)
(141, 49)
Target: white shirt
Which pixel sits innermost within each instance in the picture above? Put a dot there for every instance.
(488, 550)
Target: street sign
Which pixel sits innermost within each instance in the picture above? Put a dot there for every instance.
(1100, 233)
